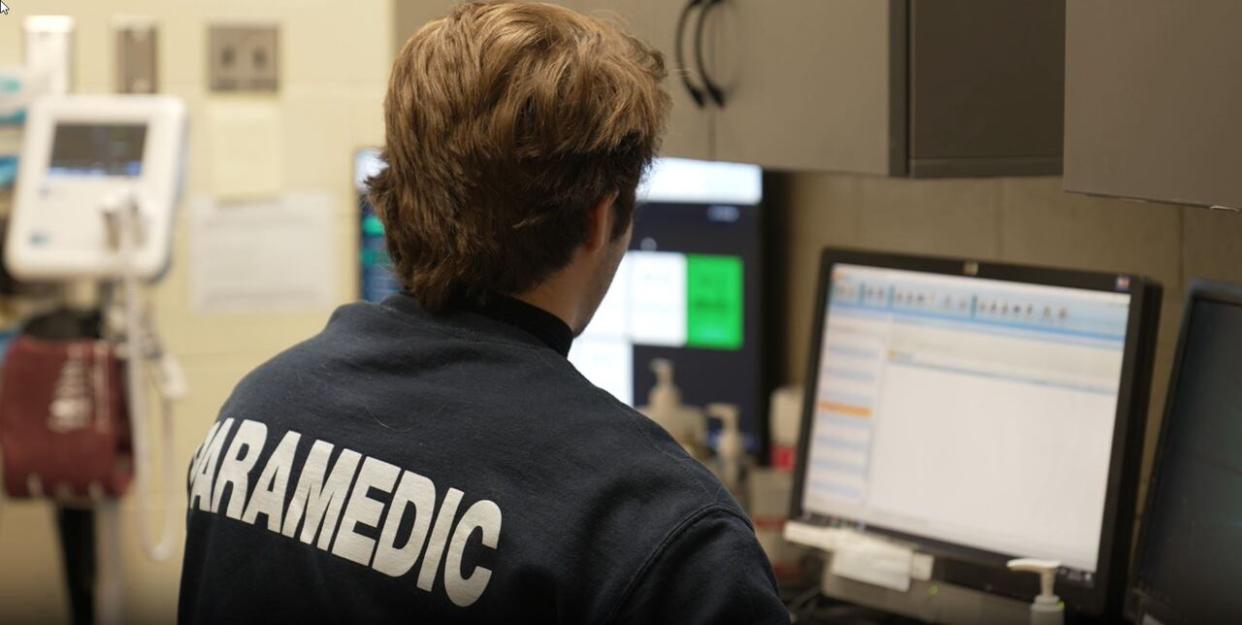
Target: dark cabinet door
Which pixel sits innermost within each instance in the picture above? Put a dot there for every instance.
(689, 133)
(986, 87)
(1154, 100)
(812, 84)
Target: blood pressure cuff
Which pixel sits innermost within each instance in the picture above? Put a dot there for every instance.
(64, 427)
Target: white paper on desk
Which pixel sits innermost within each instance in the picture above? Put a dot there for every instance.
(273, 255)
(872, 561)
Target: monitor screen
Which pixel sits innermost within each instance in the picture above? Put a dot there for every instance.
(689, 291)
(97, 149)
(1188, 569)
(967, 411)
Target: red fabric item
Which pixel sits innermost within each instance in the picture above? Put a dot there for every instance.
(64, 426)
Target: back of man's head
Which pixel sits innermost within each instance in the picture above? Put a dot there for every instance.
(506, 123)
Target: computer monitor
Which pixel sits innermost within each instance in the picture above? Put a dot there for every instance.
(981, 412)
(1187, 563)
(690, 290)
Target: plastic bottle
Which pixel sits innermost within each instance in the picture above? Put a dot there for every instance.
(730, 452)
(1047, 608)
(686, 424)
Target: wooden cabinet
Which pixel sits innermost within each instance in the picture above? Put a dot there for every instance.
(894, 87)
(690, 128)
(986, 87)
(888, 87)
(812, 84)
(1153, 94)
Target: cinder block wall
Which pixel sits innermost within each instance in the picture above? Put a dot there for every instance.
(335, 58)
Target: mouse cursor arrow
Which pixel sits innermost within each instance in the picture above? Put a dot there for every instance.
(4, 8)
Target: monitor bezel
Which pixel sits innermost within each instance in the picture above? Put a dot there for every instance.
(983, 570)
(1141, 601)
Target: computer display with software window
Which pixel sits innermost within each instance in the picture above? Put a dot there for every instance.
(977, 416)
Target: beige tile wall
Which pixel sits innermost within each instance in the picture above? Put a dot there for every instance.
(335, 58)
(1024, 220)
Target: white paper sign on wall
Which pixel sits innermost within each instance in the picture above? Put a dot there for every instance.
(263, 256)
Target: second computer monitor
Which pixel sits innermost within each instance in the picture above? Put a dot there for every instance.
(1188, 566)
(982, 411)
(689, 290)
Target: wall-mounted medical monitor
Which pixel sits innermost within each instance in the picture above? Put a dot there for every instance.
(981, 412)
(1187, 568)
(80, 153)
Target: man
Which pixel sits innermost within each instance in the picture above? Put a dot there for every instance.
(435, 458)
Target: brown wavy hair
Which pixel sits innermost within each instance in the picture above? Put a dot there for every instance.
(506, 122)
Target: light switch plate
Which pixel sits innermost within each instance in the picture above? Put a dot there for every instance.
(49, 48)
(244, 57)
(137, 56)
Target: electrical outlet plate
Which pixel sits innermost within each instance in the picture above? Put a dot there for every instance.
(244, 57)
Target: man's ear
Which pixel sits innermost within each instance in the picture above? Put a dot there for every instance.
(600, 223)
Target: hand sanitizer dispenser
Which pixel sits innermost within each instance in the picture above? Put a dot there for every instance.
(664, 406)
(1047, 608)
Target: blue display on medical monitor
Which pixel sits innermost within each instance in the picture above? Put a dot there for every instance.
(90, 150)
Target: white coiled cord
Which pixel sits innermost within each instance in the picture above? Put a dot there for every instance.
(142, 346)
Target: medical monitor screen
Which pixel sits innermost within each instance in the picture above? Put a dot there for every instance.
(689, 291)
(966, 411)
(1188, 564)
(97, 149)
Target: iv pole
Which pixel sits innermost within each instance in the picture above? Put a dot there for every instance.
(124, 228)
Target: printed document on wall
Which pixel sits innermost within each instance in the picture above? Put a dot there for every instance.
(274, 255)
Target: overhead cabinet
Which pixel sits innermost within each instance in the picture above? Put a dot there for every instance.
(1153, 94)
(889, 87)
(812, 84)
(663, 24)
(986, 85)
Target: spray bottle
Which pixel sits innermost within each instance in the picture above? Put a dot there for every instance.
(1047, 608)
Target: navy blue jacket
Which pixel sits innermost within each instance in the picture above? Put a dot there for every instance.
(455, 468)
